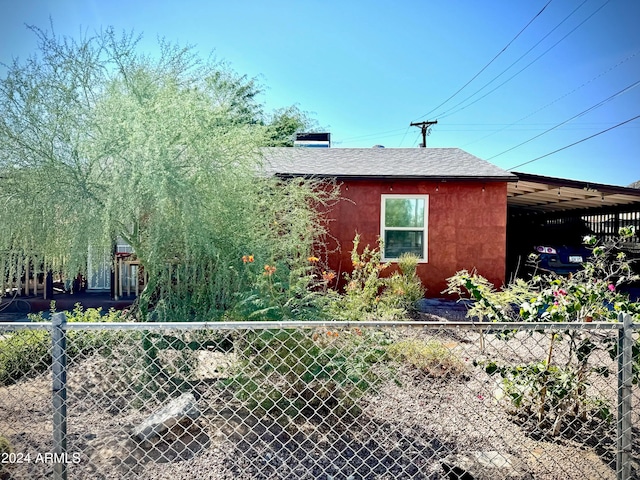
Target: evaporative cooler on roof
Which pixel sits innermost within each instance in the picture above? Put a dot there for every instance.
(313, 140)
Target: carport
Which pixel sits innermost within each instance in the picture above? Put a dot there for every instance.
(548, 210)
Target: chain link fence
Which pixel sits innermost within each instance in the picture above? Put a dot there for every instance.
(316, 400)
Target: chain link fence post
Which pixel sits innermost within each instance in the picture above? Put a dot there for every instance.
(59, 394)
(625, 345)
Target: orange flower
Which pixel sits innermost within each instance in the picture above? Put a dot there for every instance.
(247, 259)
(269, 270)
(313, 259)
(328, 276)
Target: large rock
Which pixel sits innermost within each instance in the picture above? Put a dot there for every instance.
(170, 422)
(485, 466)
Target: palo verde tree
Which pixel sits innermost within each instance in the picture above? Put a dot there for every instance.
(99, 141)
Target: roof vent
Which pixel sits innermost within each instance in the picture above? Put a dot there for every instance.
(313, 140)
(378, 146)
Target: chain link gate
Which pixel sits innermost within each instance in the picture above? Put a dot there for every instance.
(319, 400)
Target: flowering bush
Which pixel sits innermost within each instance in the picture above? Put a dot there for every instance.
(370, 296)
(306, 289)
(280, 290)
(593, 293)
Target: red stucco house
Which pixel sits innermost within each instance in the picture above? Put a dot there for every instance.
(444, 204)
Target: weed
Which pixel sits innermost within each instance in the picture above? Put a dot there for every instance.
(431, 357)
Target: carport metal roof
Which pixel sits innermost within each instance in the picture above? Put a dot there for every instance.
(540, 194)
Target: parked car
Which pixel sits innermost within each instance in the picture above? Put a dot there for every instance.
(562, 260)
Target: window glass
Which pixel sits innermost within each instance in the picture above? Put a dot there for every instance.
(397, 242)
(404, 212)
(403, 225)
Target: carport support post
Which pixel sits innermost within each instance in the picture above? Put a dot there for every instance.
(625, 345)
(59, 374)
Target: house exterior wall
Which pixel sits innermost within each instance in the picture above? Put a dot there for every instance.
(467, 223)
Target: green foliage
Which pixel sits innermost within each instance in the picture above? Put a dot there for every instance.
(298, 291)
(369, 296)
(404, 288)
(81, 343)
(284, 123)
(160, 151)
(431, 357)
(593, 293)
(26, 352)
(294, 372)
(550, 393)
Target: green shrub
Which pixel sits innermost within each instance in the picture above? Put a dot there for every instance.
(25, 352)
(556, 388)
(368, 296)
(404, 288)
(550, 394)
(83, 342)
(294, 372)
(431, 357)
(294, 290)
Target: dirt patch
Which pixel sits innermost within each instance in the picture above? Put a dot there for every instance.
(405, 428)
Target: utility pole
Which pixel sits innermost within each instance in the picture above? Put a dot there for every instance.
(425, 127)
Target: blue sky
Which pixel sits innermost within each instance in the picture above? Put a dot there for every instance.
(366, 69)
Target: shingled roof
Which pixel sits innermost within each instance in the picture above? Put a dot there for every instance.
(440, 163)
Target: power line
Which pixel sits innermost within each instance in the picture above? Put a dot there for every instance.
(574, 143)
(505, 126)
(519, 58)
(404, 136)
(526, 66)
(487, 65)
(584, 112)
(513, 76)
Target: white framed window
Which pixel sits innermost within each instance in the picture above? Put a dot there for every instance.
(404, 225)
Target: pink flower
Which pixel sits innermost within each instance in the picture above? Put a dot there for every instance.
(611, 287)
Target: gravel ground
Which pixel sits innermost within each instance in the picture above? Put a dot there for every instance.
(413, 426)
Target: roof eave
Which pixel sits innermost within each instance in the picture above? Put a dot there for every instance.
(440, 178)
